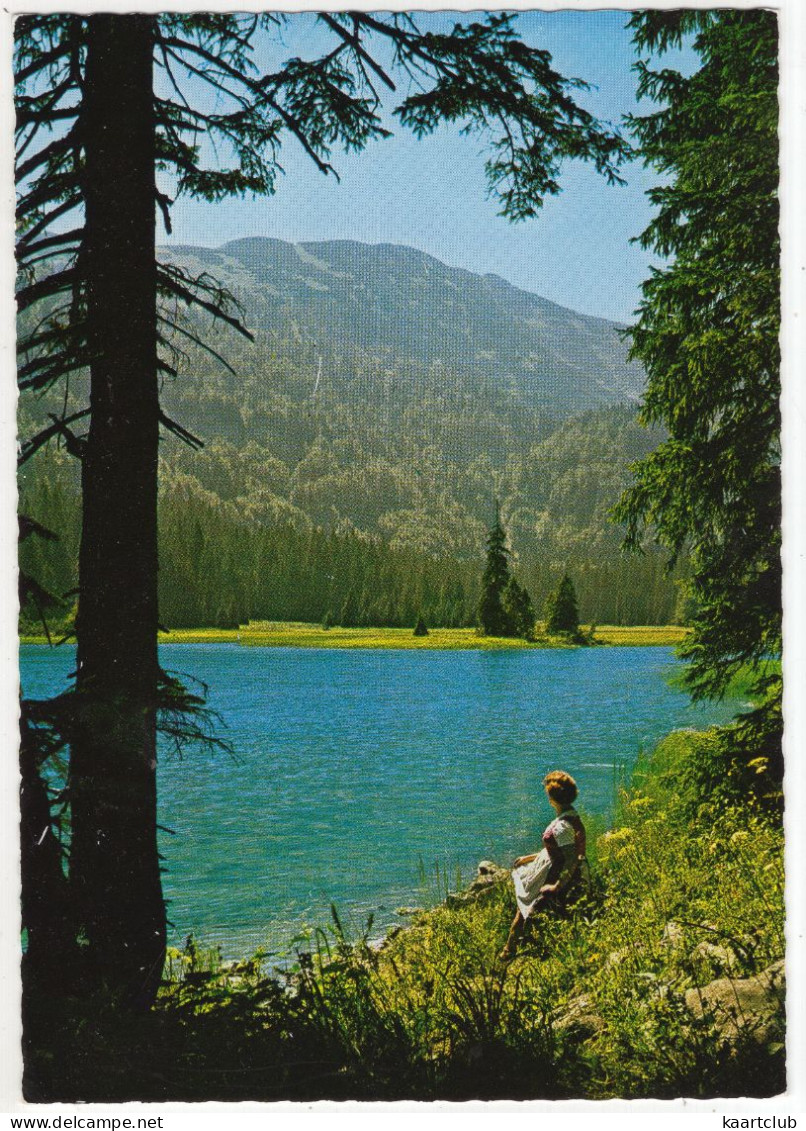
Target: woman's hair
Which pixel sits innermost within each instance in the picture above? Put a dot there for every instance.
(560, 787)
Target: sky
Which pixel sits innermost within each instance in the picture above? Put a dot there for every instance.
(431, 194)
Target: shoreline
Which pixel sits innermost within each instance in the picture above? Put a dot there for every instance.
(290, 634)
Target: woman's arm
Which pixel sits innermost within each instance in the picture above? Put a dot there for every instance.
(555, 880)
(556, 857)
(580, 840)
(525, 860)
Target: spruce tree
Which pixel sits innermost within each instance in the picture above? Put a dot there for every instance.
(562, 612)
(518, 609)
(707, 334)
(349, 614)
(493, 618)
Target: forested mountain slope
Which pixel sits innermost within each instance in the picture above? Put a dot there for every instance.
(386, 311)
(354, 452)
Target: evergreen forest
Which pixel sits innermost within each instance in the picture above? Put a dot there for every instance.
(232, 549)
(359, 471)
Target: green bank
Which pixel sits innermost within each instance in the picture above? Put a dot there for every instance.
(665, 979)
(288, 634)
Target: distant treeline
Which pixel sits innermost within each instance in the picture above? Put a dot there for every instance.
(219, 567)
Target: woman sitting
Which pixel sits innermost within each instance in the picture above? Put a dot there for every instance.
(540, 879)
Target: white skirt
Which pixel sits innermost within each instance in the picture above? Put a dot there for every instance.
(529, 879)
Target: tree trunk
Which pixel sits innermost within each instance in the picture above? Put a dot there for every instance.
(115, 873)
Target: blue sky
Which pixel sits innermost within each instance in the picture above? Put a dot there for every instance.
(431, 194)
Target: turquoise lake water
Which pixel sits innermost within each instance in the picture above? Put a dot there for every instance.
(358, 772)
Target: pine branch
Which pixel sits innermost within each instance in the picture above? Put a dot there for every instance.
(168, 280)
(354, 42)
(177, 430)
(45, 222)
(43, 371)
(41, 63)
(175, 326)
(44, 156)
(30, 447)
(74, 236)
(28, 526)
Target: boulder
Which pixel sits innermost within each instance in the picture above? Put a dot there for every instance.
(722, 958)
(673, 936)
(748, 1007)
(711, 955)
(488, 876)
(580, 1019)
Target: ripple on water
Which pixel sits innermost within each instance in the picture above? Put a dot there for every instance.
(358, 772)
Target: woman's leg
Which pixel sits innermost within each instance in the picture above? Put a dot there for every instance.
(514, 934)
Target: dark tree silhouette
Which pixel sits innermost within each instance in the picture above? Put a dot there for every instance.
(493, 618)
(518, 609)
(91, 132)
(707, 333)
(562, 612)
(113, 757)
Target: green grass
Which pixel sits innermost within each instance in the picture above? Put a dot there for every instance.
(292, 634)
(640, 635)
(278, 634)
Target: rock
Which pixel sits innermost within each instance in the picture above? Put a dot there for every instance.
(753, 1007)
(459, 898)
(673, 935)
(709, 954)
(722, 958)
(580, 1019)
(616, 957)
(405, 911)
(488, 876)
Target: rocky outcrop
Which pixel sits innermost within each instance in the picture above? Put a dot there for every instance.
(580, 1019)
(744, 1008)
(488, 876)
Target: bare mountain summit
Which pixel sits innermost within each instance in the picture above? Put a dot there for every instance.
(404, 313)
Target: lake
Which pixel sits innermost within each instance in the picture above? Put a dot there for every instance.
(360, 774)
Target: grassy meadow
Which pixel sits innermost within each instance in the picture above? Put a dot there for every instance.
(289, 634)
(293, 634)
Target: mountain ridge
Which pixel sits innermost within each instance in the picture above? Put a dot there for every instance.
(408, 309)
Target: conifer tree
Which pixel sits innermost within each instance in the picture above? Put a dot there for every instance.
(562, 612)
(493, 618)
(707, 333)
(349, 614)
(518, 609)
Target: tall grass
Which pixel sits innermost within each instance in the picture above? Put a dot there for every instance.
(594, 1004)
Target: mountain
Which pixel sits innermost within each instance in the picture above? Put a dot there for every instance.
(355, 450)
(399, 308)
